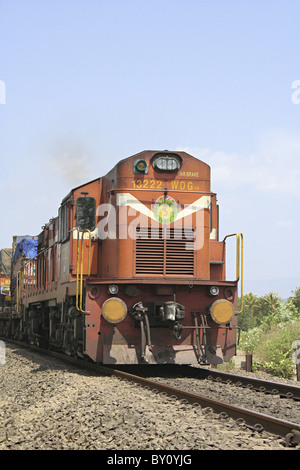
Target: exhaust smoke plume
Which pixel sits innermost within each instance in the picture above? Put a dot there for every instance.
(71, 162)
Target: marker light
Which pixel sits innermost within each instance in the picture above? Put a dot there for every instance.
(222, 311)
(214, 290)
(114, 310)
(140, 166)
(113, 289)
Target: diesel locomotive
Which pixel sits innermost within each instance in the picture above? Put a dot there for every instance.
(132, 270)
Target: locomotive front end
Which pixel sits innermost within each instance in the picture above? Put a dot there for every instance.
(161, 294)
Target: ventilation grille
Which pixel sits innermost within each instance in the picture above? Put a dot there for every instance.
(149, 251)
(163, 251)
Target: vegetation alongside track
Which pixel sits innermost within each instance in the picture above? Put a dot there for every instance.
(269, 327)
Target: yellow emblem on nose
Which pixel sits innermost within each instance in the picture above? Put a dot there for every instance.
(165, 210)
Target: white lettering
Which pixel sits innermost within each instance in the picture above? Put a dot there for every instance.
(2, 352)
(296, 94)
(296, 353)
(188, 222)
(118, 460)
(109, 221)
(171, 459)
(2, 92)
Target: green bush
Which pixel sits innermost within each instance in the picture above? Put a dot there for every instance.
(280, 367)
(273, 347)
(269, 326)
(249, 340)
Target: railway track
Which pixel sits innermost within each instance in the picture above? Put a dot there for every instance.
(284, 390)
(257, 421)
(261, 385)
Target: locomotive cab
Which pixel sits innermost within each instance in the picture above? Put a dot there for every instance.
(162, 293)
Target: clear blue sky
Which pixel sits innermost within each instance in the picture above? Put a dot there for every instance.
(90, 82)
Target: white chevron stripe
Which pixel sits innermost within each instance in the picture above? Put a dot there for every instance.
(127, 199)
(201, 203)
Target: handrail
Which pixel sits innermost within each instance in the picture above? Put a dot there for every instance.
(18, 289)
(79, 277)
(239, 261)
(77, 271)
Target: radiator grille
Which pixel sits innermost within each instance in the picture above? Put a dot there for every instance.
(163, 251)
(149, 251)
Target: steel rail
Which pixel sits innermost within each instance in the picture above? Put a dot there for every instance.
(262, 385)
(258, 421)
(257, 384)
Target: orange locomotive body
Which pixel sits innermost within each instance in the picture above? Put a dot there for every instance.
(132, 269)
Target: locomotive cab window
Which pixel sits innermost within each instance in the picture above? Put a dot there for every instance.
(86, 213)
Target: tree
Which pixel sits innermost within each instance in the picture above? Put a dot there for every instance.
(286, 312)
(251, 303)
(296, 299)
(272, 302)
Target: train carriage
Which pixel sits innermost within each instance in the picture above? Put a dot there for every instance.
(132, 270)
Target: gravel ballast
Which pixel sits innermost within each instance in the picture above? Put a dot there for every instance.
(48, 405)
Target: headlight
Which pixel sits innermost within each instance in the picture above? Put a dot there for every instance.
(167, 163)
(222, 311)
(114, 310)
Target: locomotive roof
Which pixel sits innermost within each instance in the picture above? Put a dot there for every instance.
(142, 154)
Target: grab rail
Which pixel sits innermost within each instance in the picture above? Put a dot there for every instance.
(18, 289)
(239, 261)
(79, 277)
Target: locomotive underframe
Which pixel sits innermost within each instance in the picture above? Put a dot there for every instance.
(192, 338)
